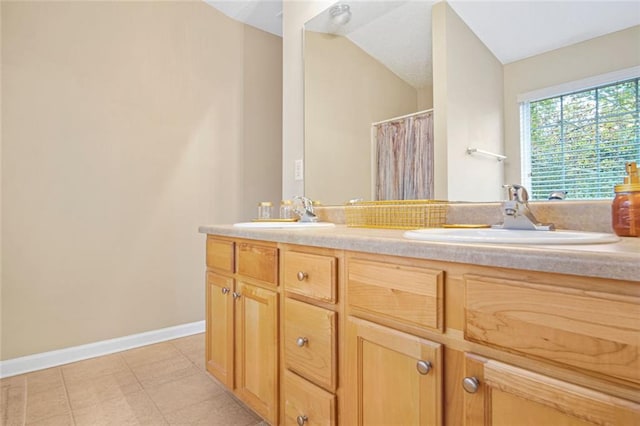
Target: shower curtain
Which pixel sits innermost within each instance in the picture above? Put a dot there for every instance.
(404, 156)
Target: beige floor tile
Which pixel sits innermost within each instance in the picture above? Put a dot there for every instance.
(198, 360)
(219, 411)
(13, 381)
(190, 343)
(94, 367)
(166, 370)
(85, 393)
(43, 380)
(61, 420)
(13, 400)
(193, 348)
(49, 403)
(149, 354)
(178, 394)
(133, 409)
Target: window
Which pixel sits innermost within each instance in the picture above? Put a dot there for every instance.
(579, 142)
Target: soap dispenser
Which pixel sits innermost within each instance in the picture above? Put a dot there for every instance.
(625, 211)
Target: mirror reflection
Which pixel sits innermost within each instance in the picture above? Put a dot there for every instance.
(372, 68)
(382, 60)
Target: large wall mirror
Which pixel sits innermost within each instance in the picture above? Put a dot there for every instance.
(379, 60)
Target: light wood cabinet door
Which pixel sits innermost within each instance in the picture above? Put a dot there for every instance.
(219, 330)
(503, 395)
(310, 342)
(256, 359)
(393, 378)
(311, 275)
(590, 330)
(306, 403)
(410, 295)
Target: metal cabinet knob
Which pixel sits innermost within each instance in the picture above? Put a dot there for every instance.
(236, 295)
(225, 290)
(301, 341)
(302, 276)
(301, 420)
(470, 384)
(423, 367)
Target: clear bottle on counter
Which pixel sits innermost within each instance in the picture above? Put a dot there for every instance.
(265, 210)
(286, 209)
(625, 210)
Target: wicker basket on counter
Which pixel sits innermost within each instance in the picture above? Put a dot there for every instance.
(397, 214)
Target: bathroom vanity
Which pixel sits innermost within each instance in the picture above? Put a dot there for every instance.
(348, 326)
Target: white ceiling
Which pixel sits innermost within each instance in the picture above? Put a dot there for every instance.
(511, 29)
(515, 30)
(263, 14)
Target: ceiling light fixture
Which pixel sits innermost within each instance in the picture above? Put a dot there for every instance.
(340, 14)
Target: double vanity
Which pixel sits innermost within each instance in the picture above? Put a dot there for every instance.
(334, 325)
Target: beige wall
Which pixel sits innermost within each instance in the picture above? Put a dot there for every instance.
(345, 91)
(467, 80)
(262, 118)
(124, 127)
(613, 52)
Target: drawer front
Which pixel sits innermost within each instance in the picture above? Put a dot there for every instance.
(311, 275)
(310, 342)
(220, 254)
(408, 294)
(257, 261)
(585, 329)
(305, 400)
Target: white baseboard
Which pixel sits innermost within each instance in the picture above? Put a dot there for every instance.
(26, 364)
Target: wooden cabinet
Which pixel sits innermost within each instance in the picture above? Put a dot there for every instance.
(219, 350)
(242, 321)
(256, 360)
(319, 336)
(582, 328)
(306, 403)
(499, 394)
(393, 378)
(311, 330)
(310, 345)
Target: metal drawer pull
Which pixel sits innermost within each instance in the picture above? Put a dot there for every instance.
(225, 290)
(236, 295)
(301, 420)
(302, 276)
(301, 341)
(423, 367)
(470, 384)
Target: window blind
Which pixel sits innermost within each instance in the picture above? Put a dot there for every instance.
(579, 142)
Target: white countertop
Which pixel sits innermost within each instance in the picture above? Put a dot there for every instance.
(619, 260)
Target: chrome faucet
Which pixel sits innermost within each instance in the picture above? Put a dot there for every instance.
(517, 214)
(303, 207)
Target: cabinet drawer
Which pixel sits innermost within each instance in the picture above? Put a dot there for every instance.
(408, 294)
(257, 261)
(310, 275)
(590, 330)
(303, 399)
(220, 254)
(310, 342)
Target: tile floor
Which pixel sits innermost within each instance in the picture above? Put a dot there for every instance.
(161, 384)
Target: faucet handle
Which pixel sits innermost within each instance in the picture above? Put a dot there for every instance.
(517, 193)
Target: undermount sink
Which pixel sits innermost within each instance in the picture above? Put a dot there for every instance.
(283, 225)
(509, 236)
